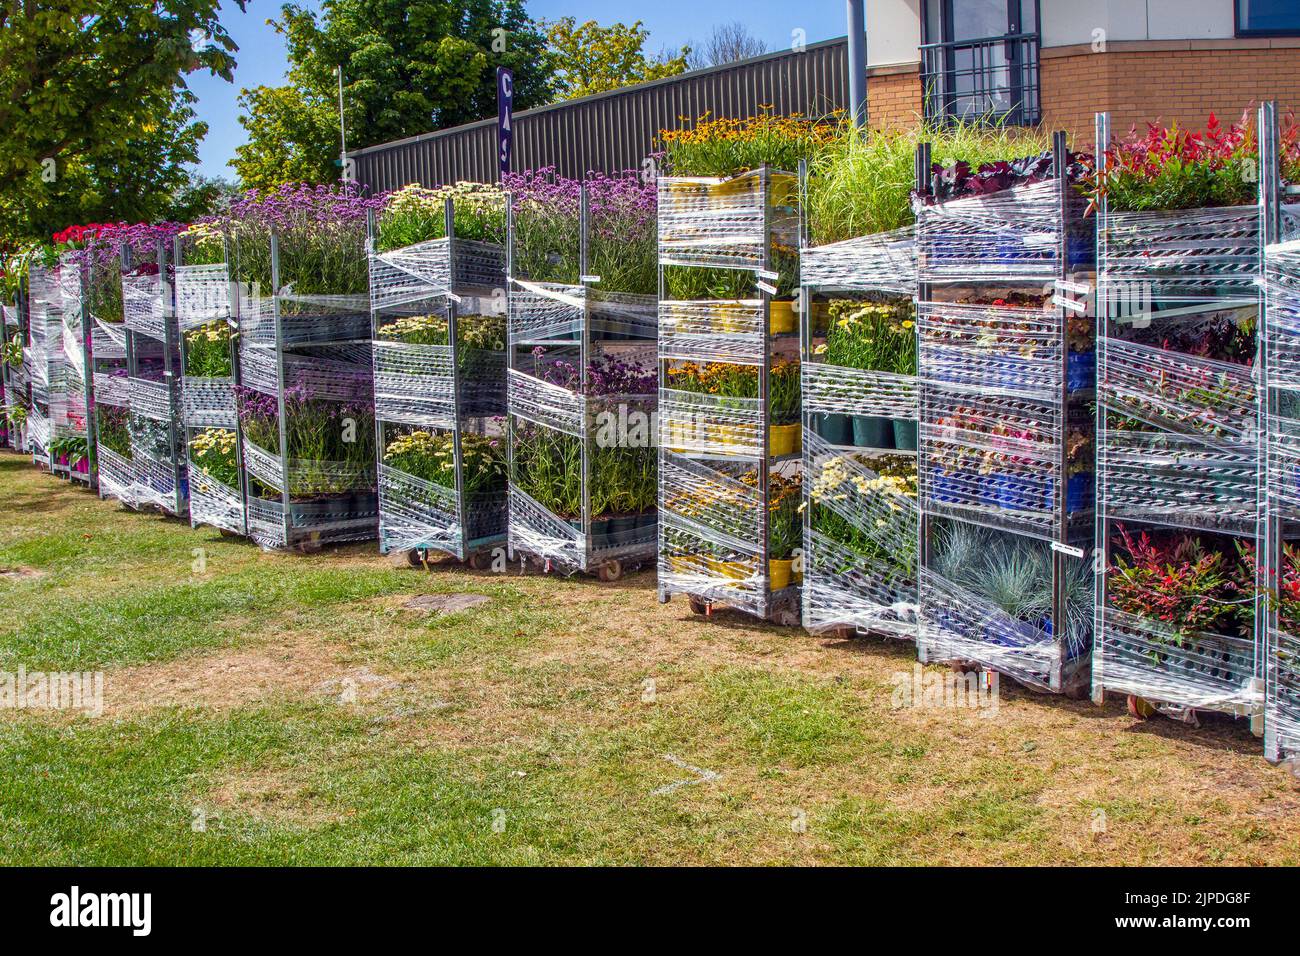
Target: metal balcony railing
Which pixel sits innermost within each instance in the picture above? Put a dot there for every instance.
(994, 77)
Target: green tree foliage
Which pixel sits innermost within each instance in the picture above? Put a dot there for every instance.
(408, 68)
(589, 58)
(97, 122)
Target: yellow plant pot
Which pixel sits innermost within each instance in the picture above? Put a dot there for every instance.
(735, 186)
(729, 317)
(784, 440)
(779, 574)
(783, 318)
(785, 190)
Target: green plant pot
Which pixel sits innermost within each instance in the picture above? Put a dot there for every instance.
(833, 428)
(871, 432)
(905, 434)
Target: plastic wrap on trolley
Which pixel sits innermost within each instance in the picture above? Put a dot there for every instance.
(207, 402)
(1184, 252)
(414, 273)
(202, 294)
(1197, 671)
(143, 303)
(869, 584)
(545, 310)
(1282, 365)
(546, 404)
(1015, 234)
(215, 503)
(884, 262)
(116, 475)
(719, 223)
(709, 545)
(415, 513)
(958, 624)
(994, 460)
(839, 390)
(995, 350)
(1169, 479)
(712, 330)
(415, 383)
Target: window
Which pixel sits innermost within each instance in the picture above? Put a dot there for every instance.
(1268, 18)
(980, 59)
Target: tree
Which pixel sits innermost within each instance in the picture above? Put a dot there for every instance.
(93, 103)
(137, 178)
(407, 68)
(726, 44)
(592, 59)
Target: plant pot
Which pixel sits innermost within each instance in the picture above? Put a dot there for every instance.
(871, 432)
(600, 532)
(781, 317)
(905, 432)
(1079, 491)
(784, 440)
(1080, 370)
(834, 429)
(944, 486)
(779, 573)
(621, 530)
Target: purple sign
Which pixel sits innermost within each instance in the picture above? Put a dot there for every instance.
(505, 115)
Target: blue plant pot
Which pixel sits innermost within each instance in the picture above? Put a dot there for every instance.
(991, 490)
(1080, 250)
(943, 486)
(1080, 370)
(1079, 491)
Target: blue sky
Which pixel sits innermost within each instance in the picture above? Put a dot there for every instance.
(671, 23)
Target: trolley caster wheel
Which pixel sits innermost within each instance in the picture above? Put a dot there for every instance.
(481, 561)
(1140, 708)
(227, 533)
(843, 633)
(787, 618)
(1078, 692)
(610, 571)
(308, 546)
(404, 558)
(699, 607)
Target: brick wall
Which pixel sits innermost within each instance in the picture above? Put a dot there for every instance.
(894, 96)
(1140, 85)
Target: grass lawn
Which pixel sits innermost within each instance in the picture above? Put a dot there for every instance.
(286, 709)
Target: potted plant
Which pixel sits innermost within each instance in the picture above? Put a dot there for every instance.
(874, 336)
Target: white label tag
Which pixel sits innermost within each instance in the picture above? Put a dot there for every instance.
(767, 287)
(591, 280)
(1067, 549)
(767, 274)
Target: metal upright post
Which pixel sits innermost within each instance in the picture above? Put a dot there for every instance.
(171, 377)
(764, 395)
(1268, 532)
(1060, 163)
(453, 343)
(510, 363)
(584, 211)
(922, 175)
(280, 386)
(88, 376)
(805, 417)
(1101, 545)
(661, 450)
(233, 296)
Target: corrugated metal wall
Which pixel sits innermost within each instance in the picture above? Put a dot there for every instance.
(614, 131)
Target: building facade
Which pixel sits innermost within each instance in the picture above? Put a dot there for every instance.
(1060, 61)
(1054, 62)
